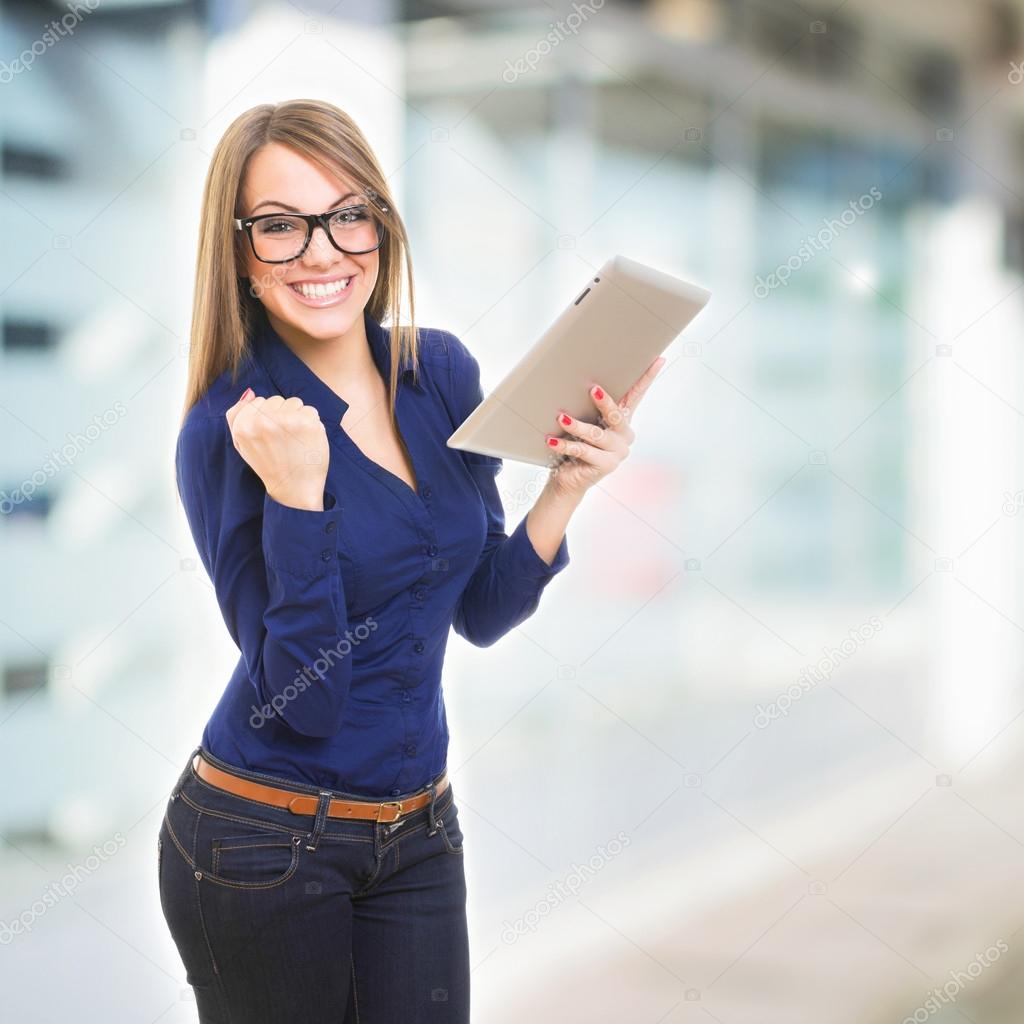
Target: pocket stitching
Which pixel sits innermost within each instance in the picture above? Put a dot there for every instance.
(219, 846)
(447, 841)
(214, 877)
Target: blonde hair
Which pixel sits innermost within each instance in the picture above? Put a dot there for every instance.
(221, 330)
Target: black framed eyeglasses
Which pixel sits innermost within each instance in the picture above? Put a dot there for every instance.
(283, 237)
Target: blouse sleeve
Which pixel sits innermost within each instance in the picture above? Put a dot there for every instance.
(506, 586)
(275, 572)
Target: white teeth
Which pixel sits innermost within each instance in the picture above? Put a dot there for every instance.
(320, 291)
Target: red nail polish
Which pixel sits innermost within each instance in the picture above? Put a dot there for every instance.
(598, 393)
(565, 419)
(246, 393)
(553, 441)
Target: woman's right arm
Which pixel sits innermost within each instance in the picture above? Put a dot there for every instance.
(275, 571)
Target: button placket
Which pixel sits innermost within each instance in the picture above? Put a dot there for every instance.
(327, 554)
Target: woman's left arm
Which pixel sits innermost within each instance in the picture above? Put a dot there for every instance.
(514, 569)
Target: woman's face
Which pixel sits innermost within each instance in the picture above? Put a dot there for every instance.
(280, 180)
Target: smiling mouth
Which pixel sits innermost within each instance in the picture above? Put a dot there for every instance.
(321, 290)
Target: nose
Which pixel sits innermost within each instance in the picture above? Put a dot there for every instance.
(320, 250)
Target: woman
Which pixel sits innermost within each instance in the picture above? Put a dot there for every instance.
(310, 859)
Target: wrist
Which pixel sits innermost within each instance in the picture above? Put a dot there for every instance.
(306, 502)
(557, 497)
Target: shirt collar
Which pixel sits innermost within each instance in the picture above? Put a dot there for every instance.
(291, 376)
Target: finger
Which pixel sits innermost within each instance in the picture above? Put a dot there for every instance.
(598, 436)
(605, 404)
(581, 450)
(246, 396)
(642, 383)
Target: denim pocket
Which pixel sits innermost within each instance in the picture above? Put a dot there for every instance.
(263, 858)
(232, 851)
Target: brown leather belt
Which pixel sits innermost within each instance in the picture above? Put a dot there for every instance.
(300, 803)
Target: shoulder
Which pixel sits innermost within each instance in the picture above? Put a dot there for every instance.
(458, 356)
(225, 390)
(449, 367)
(463, 372)
(466, 393)
(205, 427)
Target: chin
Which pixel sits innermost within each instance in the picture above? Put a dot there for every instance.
(320, 323)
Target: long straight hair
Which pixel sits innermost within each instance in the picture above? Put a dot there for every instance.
(225, 308)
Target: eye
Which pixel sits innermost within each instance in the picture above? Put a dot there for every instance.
(350, 215)
(275, 227)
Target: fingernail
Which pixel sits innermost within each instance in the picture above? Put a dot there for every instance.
(598, 393)
(553, 442)
(246, 393)
(565, 419)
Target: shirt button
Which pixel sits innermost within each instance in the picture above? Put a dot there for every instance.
(406, 697)
(395, 792)
(418, 647)
(326, 554)
(419, 593)
(410, 750)
(432, 550)
(426, 492)
(329, 528)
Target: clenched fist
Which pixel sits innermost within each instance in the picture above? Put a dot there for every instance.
(285, 444)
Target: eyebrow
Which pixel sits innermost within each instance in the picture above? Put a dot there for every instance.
(275, 202)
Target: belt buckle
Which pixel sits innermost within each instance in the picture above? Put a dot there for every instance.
(397, 804)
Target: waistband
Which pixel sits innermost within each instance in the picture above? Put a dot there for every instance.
(308, 801)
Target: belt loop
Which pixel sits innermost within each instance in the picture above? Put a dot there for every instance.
(432, 789)
(321, 818)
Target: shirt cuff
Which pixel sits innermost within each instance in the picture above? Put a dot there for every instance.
(301, 541)
(524, 560)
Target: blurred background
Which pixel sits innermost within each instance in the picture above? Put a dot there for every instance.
(757, 757)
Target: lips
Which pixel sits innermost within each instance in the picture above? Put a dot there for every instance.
(322, 293)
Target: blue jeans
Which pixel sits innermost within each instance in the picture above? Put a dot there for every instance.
(369, 927)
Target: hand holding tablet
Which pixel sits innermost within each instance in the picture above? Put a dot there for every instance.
(611, 335)
(601, 445)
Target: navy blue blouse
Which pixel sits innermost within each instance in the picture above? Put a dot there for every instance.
(342, 616)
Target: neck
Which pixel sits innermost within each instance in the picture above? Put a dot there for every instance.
(344, 362)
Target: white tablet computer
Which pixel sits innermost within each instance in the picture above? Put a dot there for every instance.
(621, 320)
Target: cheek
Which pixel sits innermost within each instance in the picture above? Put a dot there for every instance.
(370, 271)
(266, 282)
